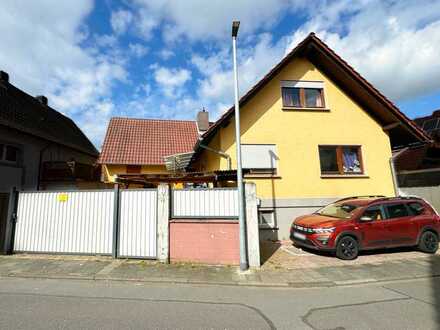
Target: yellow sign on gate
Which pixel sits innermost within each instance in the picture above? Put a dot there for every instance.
(63, 197)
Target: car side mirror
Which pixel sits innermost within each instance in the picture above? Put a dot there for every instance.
(365, 218)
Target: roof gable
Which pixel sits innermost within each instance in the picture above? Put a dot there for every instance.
(21, 111)
(403, 131)
(146, 141)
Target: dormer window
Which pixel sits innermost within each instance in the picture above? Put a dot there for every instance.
(302, 94)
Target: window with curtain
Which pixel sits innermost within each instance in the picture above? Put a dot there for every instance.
(342, 160)
(303, 94)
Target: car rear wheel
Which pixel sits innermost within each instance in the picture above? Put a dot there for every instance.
(347, 248)
(428, 242)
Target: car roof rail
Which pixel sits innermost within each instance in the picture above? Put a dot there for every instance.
(358, 197)
(399, 197)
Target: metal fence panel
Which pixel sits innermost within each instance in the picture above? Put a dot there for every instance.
(65, 222)
(205, 203)
(138, 223)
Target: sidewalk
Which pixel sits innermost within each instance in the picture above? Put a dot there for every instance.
(105, 268)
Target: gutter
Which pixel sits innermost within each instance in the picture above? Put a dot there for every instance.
(393, 170)
(220, 153)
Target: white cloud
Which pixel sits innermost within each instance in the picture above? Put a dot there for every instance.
(44, 56)
(171, 80)
(203, 20)
(138, 50)
(166, 54)
(394, 45)
(120, 20)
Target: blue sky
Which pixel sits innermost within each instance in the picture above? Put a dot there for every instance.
(170, 58)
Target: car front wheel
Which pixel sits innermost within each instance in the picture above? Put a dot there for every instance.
(428, 242)
(347, 248)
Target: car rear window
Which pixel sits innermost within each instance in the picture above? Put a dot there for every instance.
(396, 211)
(416, 208)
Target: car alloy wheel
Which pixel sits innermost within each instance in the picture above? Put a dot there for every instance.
(429, 242)
(347, 248)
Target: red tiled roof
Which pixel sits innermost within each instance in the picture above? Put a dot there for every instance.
(146, 141)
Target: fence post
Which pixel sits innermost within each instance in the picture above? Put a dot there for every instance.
(10, 221)
(253, 234)
(163, 216)
(115, 244)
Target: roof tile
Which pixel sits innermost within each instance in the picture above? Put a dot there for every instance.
(146, 141)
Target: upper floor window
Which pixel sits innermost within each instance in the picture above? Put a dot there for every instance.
(341, 160)
(260, 158)
(9, 153)
(303, 94)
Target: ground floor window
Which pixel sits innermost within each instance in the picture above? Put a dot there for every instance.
(266, 218)
(342, 160)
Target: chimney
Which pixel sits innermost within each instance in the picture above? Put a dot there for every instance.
(203, 120)
(4, 77)
(42, 99)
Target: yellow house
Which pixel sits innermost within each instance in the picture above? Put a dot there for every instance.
(312, 130)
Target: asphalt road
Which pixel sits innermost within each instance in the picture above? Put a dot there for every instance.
(81, 304)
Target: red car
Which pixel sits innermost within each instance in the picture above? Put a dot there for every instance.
(360, 223)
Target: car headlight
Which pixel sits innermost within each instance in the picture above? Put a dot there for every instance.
(324, 230)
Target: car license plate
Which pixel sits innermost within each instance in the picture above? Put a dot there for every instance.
(299, 235)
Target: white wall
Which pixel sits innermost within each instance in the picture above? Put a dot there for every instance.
(431, 194)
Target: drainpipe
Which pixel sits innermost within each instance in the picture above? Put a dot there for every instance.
(40, 163)
(393, 170)
(220, 153)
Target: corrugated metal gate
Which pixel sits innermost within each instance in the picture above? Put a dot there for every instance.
(138, 223)
(61, 222)
(86, 222)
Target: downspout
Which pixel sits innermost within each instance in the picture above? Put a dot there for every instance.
(393, 170)
(39, 164)
(220, 153)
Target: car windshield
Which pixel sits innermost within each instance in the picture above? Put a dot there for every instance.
(337, 210)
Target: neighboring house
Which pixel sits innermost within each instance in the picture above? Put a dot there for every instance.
(312, 130)
(419, 165)
(39, 147)
(135, 149)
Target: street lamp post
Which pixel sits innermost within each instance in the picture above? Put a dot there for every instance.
(241, 216)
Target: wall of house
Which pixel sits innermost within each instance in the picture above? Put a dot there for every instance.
(297, 135)
(25, 175)
(110, 171)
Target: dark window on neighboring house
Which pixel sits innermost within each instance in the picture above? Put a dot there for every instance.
(341, 160)
(396, 211)
(9, 154)
(303, 97)
(134, 169)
